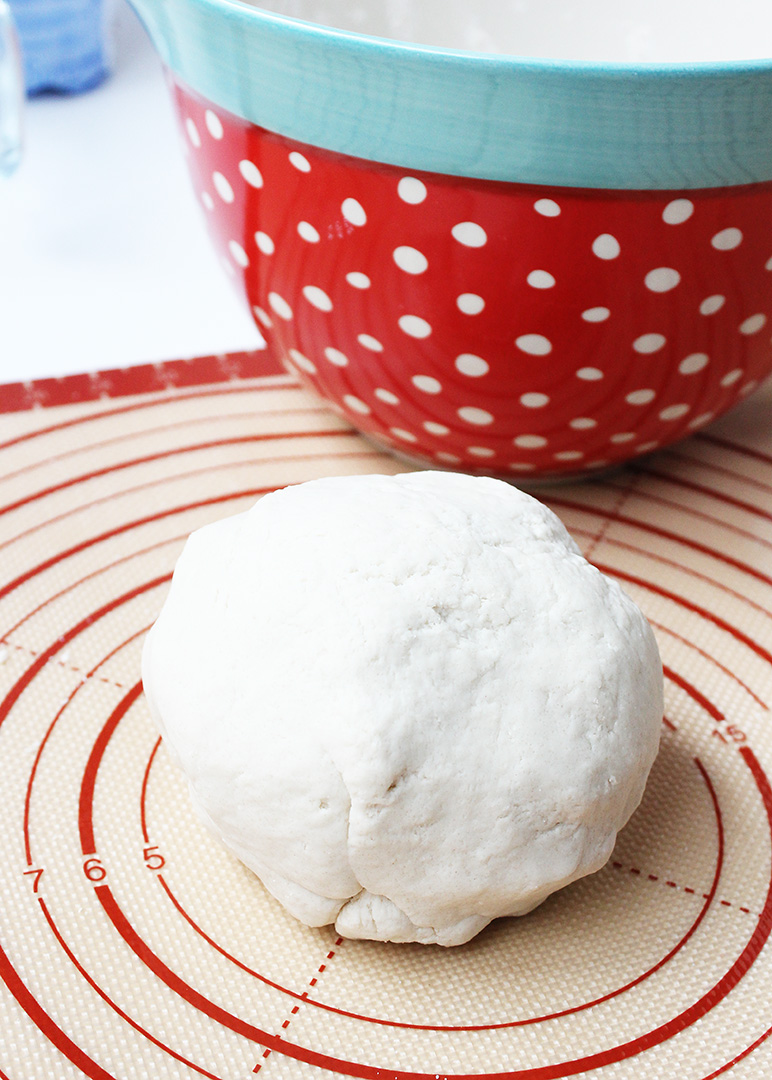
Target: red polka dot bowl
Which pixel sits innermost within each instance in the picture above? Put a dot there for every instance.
(528, 267)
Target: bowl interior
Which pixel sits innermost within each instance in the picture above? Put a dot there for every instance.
(653, 31)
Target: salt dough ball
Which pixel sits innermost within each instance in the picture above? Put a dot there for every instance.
(407, 703)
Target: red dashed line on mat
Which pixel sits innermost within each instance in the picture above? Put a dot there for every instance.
(295, 1008)
(61, 663)
(674, 885)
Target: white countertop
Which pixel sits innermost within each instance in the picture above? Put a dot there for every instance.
(104, 259)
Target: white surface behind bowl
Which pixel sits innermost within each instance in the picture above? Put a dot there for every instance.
(105, 261)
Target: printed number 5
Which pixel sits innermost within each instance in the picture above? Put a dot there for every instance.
(153, 858)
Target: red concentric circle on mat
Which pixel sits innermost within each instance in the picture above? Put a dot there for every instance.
(349, 1068)
(89, 550)
(297, 995)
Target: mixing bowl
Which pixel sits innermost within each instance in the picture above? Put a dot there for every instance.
(541, 258)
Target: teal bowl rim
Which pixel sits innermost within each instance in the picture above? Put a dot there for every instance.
(546, 121)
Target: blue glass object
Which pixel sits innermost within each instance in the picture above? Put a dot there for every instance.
(63, 43)
(10, 93)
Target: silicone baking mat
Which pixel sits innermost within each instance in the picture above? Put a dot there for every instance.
(132, 946)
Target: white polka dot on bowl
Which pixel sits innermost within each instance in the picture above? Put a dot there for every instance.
(534, 400)
(414, 326)
(367, 341)
(280, 306)
(472, 365)
(470, 414)
(427, 384)
(530, 442)
(678, 211)
(336, 357)
(701, 420)
(674, 412)
(302, 361)
(251, 173)
(541, 279)
(238, 253)
(411, 190)
(693, 363)
(470, 234)
(354, 212)
(753, 324)
(307, 232)
(596, 314)
(356, 404)
(606, 247)
(386, 396)
(663, 279)
(317, 297)
(547, 207)
(534, 344)
(410, 260)
(470, 303)
(192, 132)
(732, 377)
(222, 187)
(711, 304)
(640, 397)
(649, 343)
(727, 239)
(213, 124)
(265, 243)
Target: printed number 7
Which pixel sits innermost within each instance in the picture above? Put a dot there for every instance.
(36, 876)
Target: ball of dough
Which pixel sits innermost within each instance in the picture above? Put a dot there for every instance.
(407, 703)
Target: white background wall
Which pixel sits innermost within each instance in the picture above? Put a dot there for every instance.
(104, 260)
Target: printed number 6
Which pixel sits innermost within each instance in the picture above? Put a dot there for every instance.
(94, 870)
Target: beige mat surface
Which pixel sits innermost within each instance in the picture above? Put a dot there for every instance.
(131, 946)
